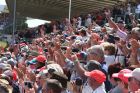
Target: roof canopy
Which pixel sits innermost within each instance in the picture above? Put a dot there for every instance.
(57, 9)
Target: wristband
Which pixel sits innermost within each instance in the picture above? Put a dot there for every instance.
(76, 61)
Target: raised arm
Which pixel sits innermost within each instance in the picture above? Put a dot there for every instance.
(115, 27)
(80, 70)
(133, 20)
(112, 24)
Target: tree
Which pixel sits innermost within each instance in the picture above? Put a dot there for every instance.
(20, 25)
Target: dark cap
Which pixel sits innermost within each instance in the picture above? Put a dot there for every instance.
(54, 84)
(93, 65)
(121, 21)
(62, 78)
(60, 75)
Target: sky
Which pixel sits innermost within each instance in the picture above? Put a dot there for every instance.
(2, 2)
(35, 22)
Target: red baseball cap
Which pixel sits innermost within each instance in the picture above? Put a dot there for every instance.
(41, 58)
(98, 75)
(122, 75)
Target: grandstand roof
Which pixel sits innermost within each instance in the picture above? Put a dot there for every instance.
(56, 9)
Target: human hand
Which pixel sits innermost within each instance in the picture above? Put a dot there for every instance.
(134, 45)
(121, 44)
(74, 57)
(57, 46)
(22, 67)
(29, 90)
(132, 17)
(107, 13)
(20, 73)
(32, 76)
(74, 88)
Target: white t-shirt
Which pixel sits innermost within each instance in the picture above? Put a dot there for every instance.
(85, 38)
(87, 88)
(100, 89)
(109, 59)
(88, 22)
(122, 34)
(120, 59)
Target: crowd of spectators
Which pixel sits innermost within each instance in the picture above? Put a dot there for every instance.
(5, 20)
(92, 54)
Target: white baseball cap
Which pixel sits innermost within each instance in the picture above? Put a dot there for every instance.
(135, 74)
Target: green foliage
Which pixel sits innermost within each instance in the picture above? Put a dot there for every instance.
(20, 25)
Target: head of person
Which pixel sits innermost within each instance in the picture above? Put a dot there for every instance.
(114, 68)
(53, 86)
(109, 49)
(52, 70)
(93, 65)
(62, 78)
(4, 67)
(121, 24)
(95, 78)
(40, 61)
(135, 33)
(7, 78)
(83, 32)
(5, 87)
(122, 78)
(32, 54)
(96, 52)
(134, 80)
(12, 62)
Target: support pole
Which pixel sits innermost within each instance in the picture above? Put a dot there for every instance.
(69, 10)
(14, 21)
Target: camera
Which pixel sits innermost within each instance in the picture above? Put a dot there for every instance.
(28, 84)
(78, 82)
(73, 37)
(112, 39)
(75, 50)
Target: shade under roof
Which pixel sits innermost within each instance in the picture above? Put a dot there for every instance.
(57, 9)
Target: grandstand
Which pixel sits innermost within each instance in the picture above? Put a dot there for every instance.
(57, 9)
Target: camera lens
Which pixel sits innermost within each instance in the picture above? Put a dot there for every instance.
(79, 82)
